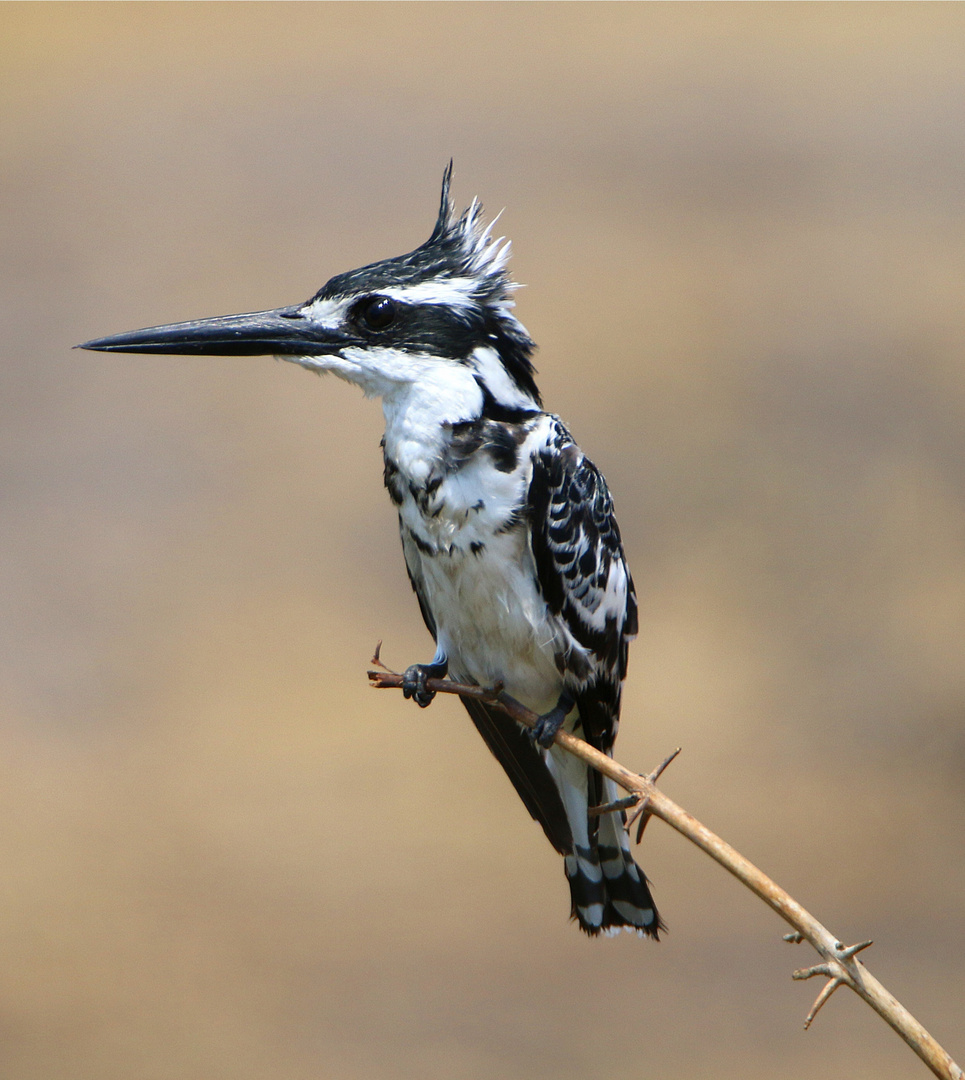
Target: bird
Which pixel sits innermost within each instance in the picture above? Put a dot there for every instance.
(508, 529)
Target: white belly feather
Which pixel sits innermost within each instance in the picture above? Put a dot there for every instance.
(491, 620)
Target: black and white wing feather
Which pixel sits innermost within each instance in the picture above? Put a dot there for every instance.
(583, 575)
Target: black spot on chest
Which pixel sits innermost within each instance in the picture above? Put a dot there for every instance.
(503, 448)
(499, 439)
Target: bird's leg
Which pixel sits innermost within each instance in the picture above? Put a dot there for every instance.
(545, 729)
(415, 676)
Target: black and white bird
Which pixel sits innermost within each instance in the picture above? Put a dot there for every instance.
(507, 527)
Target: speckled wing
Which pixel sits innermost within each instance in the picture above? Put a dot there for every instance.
(583, 577)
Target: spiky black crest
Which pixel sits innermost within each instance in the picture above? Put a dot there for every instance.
(459, 248)
(460, 274)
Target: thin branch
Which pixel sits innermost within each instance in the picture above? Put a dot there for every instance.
(840, 965)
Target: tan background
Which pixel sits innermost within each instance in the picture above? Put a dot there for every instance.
(743, 235)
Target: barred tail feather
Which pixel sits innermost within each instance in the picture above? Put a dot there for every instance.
(630, 905)
(609, 892)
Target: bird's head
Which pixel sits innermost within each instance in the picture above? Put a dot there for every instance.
(442, 314)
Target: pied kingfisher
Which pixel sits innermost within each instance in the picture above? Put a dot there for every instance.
(507, 527)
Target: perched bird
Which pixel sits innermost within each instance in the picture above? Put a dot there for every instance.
(507, 527)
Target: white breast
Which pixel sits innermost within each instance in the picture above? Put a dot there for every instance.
(492, 621)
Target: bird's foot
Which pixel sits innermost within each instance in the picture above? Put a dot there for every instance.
(545, 729)
(415, 677)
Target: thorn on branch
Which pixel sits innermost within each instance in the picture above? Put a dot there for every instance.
(612, 807)
(827, 990)
(835, 978)
(834, 973)
(641, 811)
(851, 950)
(655, 775)
(377, 660)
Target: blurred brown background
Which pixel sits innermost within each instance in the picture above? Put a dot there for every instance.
(743, 235)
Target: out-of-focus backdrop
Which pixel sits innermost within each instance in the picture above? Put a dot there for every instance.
(742, 232)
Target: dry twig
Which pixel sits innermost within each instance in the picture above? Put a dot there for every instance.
(840, 967)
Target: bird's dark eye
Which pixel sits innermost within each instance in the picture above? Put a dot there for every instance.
(378, 312)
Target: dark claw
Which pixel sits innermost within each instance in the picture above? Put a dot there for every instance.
(545, 729)
(414, 680)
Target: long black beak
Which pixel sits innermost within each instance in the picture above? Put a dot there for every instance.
(282, 332)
